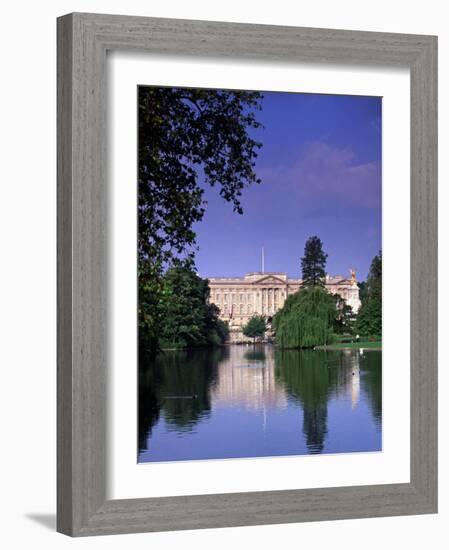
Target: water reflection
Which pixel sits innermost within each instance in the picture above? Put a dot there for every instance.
(306, 377)
(315, 377)
(178, 383)
(247, 380)
(258, 401)
(372, 383)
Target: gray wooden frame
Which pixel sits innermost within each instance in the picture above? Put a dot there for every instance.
(83, 40)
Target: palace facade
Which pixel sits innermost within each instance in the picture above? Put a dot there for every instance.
(258, 293)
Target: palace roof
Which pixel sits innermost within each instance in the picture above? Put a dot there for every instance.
(256, 277)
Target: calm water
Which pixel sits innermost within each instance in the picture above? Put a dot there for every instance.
(242, 401)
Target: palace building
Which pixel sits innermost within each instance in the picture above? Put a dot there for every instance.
(261, 293)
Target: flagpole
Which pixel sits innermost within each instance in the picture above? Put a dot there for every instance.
(263, 260)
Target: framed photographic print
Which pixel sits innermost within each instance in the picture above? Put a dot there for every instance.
(247, 275)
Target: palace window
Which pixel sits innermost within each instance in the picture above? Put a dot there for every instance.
(248, 308)
(242, 297)
(225, 297)
(241, 309)
(233, 298)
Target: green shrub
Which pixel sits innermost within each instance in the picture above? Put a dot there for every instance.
(306, 320)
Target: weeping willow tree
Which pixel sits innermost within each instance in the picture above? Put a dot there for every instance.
(306, 320)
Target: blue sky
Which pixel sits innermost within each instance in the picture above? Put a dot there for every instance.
(320, 166)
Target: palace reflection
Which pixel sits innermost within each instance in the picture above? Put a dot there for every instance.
(247, 379)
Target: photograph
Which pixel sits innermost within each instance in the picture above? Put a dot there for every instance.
(259, 253)
(221, 256)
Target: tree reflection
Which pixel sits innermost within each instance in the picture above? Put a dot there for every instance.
(371, 371)
(255, 355)
(313, 377)
(177, 384)
(149, 401)
(306, 377)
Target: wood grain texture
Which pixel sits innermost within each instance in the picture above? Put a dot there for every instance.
(64, 277)
(424, 276)
(83, 40)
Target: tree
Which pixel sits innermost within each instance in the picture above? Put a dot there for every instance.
(185, 134)
(189, 319)
(255, 327)
(374, 281)
(344, 318)
(313, 263)
(369, 319)
(362, 291)
(306, 320)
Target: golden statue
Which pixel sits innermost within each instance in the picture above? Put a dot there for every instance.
(353, 279)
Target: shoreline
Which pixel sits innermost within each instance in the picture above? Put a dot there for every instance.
(333, 347)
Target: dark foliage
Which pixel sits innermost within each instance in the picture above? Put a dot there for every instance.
(313, 263)
(344, 316)
(369, 319)
(363, 292)
(189, 319)
(185, 133)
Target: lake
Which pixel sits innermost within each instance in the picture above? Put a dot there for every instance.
(256, 401)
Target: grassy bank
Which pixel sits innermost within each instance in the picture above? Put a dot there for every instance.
(353, 345)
